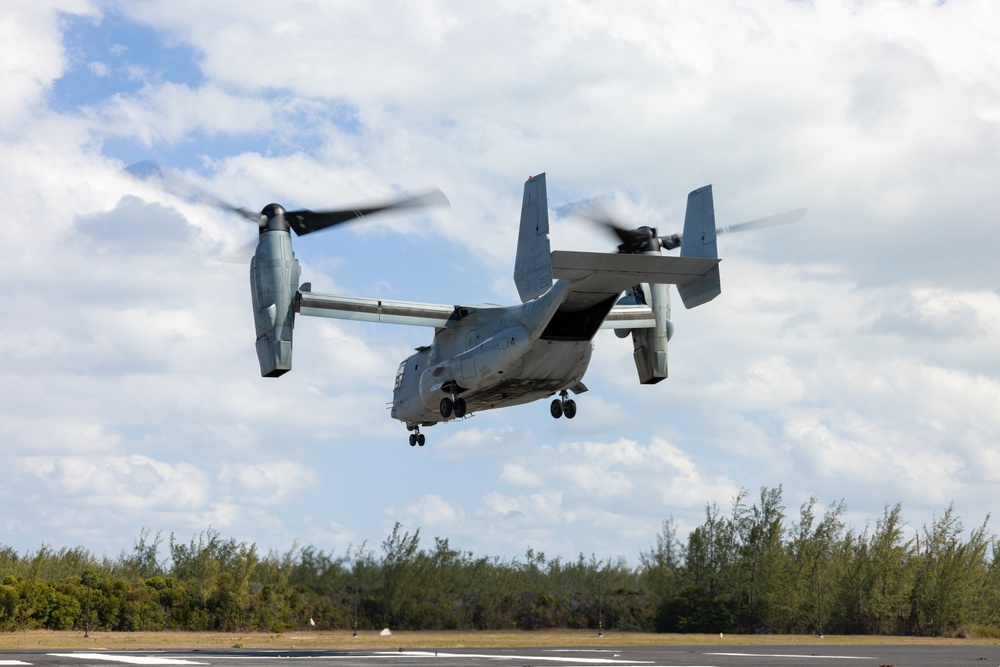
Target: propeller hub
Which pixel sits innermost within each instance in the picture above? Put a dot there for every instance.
(273, 219)
(643, 239)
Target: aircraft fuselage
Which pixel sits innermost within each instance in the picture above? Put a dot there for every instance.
(497, 357)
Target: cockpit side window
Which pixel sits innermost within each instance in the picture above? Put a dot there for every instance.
(399, 375)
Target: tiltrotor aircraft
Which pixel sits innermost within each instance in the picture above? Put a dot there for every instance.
(487, 357)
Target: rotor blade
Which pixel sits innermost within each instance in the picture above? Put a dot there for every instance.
(632, 240)
(182, 187)
(242, 253)
(670, 242)
(592, 208)
(306, 222)
(626, 235)
(595, 209)
(785, 218)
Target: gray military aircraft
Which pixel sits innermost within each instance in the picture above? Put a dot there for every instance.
(487, 357)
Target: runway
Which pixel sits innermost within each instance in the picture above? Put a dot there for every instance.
(693, 656)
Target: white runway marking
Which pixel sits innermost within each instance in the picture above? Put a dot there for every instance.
(576, 661)
(129, 659)
(13, 662)
(796, 655)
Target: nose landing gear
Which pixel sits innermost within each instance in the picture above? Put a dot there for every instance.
(416, 438)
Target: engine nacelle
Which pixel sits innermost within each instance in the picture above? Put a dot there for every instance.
(274, 279)
(650, 345)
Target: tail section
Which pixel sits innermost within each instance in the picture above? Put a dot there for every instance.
(698, 240)
(533, 265)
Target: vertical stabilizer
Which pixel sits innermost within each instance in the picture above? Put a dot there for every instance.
(698, 240)
(533, 265)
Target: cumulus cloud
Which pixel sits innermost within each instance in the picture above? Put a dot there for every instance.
(852, 355)
(132, 485)
(267, 483)
(519, 475)
(435, 513)
(33, 54)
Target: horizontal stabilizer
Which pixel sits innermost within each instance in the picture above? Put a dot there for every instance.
(617, 272)
(591, 282)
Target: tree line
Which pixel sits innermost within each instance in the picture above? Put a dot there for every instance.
(750, 569)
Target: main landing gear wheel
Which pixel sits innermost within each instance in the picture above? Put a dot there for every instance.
(451, 407)
(563, 406)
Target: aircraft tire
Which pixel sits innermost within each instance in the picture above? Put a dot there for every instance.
(556, 409)
(413, 439)
(569, 409)
(460, 408)
(446, 407)
(420, 439)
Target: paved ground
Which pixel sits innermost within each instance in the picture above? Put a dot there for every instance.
(695, 656)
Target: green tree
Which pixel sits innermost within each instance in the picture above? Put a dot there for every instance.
(662, 565)
(763, 574)
(812, 567)
(950, 576)
(399, 574)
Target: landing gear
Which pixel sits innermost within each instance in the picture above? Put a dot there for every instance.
(563, 406)
(417, 438)
(454, 406)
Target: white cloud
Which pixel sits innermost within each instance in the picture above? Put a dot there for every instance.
(851, 355)
(167, 112)
(543, 508)
(267, 483)
(434, 513)
(111, 484)
(519, 475)
(32, 54)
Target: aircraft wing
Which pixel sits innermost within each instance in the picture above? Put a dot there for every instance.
(596, 278)
(379, 310)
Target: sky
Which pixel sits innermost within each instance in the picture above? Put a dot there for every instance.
(853, 356)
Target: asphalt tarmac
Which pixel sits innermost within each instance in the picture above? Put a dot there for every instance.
(693, 656)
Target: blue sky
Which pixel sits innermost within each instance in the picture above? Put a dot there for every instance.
(853, 356)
